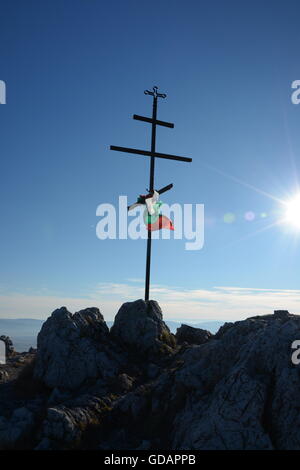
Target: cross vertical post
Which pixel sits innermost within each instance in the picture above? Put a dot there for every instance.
(151, 188)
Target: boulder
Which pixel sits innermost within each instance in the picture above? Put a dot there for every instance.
(73, 349)
(64, 425)
(191, 335)
(139, 326)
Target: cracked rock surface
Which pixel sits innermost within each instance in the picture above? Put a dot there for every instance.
(138, 386)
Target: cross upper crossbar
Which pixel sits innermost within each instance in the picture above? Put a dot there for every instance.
(146, 119)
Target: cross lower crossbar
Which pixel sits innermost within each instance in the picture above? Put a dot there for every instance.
(165, 189)
(150, 154)
(161, 191)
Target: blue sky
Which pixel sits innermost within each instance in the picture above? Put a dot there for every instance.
(75, 73)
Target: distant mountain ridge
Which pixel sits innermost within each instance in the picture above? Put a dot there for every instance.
(212, 326)
(22, 331)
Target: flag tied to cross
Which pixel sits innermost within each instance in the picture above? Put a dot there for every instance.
(153, 218)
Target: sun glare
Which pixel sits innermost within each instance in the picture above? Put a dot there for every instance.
(292, 215)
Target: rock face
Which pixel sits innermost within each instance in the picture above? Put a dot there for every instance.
(191, 335)
(134, 388)
(139, 326)
(16, 429)
(236, 391)
(75, 348)
(67, 424)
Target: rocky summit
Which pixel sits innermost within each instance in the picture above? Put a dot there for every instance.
(138, 386)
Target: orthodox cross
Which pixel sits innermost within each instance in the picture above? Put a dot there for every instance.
(152, 154)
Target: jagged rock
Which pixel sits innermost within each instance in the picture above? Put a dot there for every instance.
(245, 389)
(152, 371)
(75, 348)
(64, 425)
(145, 445)
(58, 396)
(223, 329)
(120, 384)
(3, 375)
(238, 390)
(15, 430)
(192, 335)
(45, 444)
(9, 347)
(282, 314)
(139, 326)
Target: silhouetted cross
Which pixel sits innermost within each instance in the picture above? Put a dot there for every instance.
(153, 154)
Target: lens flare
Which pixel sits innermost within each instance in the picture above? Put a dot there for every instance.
(292, 215)
(229, 218)
(249, 216)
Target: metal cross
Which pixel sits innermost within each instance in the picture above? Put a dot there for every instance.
(152, 154)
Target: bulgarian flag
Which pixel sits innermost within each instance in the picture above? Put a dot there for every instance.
(148, 199)
(153, 219)
(161, 222)
(151, 201)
